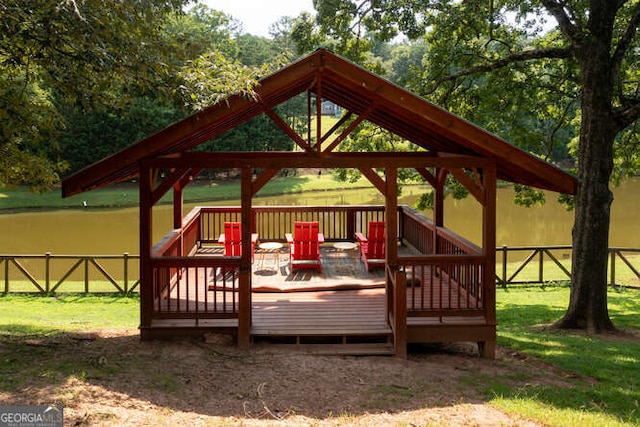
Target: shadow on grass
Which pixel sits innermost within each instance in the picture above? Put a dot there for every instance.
(603, 370)
(564, 371)
(214, 379)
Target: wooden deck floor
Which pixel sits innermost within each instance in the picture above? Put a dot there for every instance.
(343, 301)
(324, 313)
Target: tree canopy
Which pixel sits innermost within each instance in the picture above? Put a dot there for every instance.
(103, 74)
(545, 66)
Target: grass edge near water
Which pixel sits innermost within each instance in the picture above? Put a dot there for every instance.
(126, 195)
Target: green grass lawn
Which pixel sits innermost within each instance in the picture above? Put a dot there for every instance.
(596, 380)
(31, 314)
(601, 372)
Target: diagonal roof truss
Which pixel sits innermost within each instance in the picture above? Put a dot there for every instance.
(361, 93)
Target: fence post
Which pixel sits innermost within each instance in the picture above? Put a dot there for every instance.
(613, 267)
(86, 275)
(504, 266)
(6, 275)
(126, 272)
(47, 272)
(541, 267)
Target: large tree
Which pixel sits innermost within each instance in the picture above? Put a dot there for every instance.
(595, 41)
(71, 50)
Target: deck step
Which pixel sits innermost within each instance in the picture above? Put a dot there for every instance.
(378, 344)
(360, 349)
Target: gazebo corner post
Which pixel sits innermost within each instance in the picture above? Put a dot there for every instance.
(146, 269)
(400, 329)
(487, 347)
(178, 214)
(438, 206)
(398, 277)
(244, 302)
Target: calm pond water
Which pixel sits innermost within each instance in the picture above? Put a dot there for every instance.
(96, 232)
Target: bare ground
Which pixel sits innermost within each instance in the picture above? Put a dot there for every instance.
(111, 378)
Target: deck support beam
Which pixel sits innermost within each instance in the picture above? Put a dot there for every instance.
(399, 287)
(244, 302)
(146, 272)
(489, 177)
(178, 212)
(438, 205)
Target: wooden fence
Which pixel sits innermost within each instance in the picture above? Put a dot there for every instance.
(49, 273)
(523, 265)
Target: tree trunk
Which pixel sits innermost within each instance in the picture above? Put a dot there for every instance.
(588, 299)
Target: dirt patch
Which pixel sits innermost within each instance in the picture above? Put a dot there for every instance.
(111, 378)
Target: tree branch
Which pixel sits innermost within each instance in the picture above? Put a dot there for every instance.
(526, 55)
(557, 10)
(627, 115)
(626, 39)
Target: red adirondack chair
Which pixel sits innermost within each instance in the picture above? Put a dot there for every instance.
(232, 239)
(304, 245)
(372, 247)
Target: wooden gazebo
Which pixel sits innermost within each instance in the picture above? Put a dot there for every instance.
(442, 290)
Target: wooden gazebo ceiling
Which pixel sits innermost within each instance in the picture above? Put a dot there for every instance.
(356, 90)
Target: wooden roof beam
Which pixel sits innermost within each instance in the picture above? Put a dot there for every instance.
(428, 176)
(287, 129)
(335, 127)
(263, 179)
(167, 183)
(279, 159)
(476, 189)
(374, 179)
(350, 128)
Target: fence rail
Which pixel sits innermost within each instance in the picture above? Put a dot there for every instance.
(51, 273)
(543, 264)
(516, 265)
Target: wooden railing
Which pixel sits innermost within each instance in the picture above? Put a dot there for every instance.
(203, 287)
(452, 266)
(456, 284)
(273, 222)
(194, 288)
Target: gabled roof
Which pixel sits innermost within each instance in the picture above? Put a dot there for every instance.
(356, 90)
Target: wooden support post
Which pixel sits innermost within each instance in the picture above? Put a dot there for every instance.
(438, 206)
(178, 214)
(146, 271)
(318, 146)
(400, 328)
(391, 248)
(309, 118)
(391, 215)
(438, 199)
(244, 277)
(487, 348)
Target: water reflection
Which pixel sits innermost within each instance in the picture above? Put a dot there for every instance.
(91, 231)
